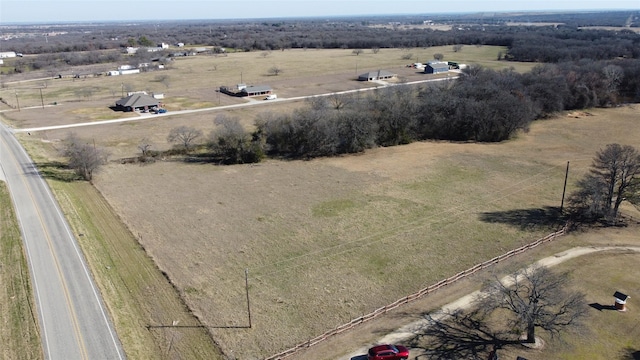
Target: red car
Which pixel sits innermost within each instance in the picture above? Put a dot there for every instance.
(388, 352)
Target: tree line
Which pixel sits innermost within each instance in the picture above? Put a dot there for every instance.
(483, 105)
(564, 42)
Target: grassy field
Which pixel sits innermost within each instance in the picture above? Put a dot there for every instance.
(18, 318)
(191, 82)
(324, 241)
(139, 297)
(328, 240)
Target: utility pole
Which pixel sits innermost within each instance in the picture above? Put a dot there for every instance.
(246, 287)
(564, 189)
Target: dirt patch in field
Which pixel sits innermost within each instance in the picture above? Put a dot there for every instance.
(579, 114)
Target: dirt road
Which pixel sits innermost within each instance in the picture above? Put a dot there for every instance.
(406, 332)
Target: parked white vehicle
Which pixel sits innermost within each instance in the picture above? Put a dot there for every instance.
(271, 97)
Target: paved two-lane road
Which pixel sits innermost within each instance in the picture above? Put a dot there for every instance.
(74, 323)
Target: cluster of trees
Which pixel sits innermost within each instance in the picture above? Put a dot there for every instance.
(552, 45)
(613, 178)
(228, 143)
(526, 43)
(482, 105)
(62, 60)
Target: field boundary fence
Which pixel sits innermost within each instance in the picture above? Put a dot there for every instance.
(409, 298)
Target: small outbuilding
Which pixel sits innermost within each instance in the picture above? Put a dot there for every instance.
(436, 67)
(376, 75)
(620, 301)
(137, 101)
(8, 54)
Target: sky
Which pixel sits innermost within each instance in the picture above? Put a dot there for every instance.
(53, 11)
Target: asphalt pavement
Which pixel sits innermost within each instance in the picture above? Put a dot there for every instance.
(73, 321)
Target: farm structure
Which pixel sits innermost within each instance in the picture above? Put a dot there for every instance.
(376, 75)
(137, 102)
(436, 67)
(244, 90)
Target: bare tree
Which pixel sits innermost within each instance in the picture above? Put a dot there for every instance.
(613, 77)
(145, 149)
(457, 47)
(375, 49)
(164, 79)
(184, 136)
(275, 70)
(407, 56)
(438, 56)
(339, 101)
(357, 52)
(532, 298)
(317, 102)
(85, 159)
(264, 54)
(538, 298)
(614, 177)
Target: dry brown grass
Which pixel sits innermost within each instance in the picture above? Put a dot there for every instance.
(330, 239)
(196, 78)
(326, 240)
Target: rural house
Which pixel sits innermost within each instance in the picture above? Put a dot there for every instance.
(436, 67)
(376, 75)
(136, 102)
(257, 90)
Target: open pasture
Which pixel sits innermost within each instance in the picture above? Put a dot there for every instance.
(192, 82)
(328, 240)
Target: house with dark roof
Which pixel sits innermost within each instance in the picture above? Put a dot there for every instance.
(136, 102)
(256, 90)
(376, 75)
(436, 67)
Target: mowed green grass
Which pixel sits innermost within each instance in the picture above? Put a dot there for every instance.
(18, 317)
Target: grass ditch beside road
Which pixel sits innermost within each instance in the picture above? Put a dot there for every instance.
(149, 315)
(19, 329)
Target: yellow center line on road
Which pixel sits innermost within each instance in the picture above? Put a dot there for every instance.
(69, 301)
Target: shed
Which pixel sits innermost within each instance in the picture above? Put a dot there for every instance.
(621, 300)
(256, 90)
(8, 54)
(136, 101)
(436, 67)
(376, 75)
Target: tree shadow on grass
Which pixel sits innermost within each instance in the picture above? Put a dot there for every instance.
(631, 354)
(461, 335)
(548, 217)
(55, 170)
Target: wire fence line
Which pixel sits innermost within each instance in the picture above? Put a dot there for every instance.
(409, 298)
